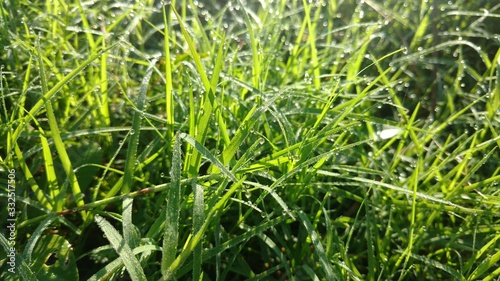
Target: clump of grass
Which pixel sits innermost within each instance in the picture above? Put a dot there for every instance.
(269, 140)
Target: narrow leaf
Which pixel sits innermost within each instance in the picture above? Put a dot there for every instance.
(171, 235)
(131, 263)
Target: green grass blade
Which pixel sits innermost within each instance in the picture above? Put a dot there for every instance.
(219, 63)
(208, 155)
(20, 266)
(113, 267)
(194, 53)
(56, 135)
(127, 223)
(489, 262)
(256, 66)
(128, 258)
(169, 97)
(434, 263)
(30, 246)
(208, 100)
(130, 161)
(41, 196)
(479, 253)
(244, 129)
(421, 195)
(103, 85)
(50, 93)
(53, 185)
(193, 242)
(198, 221)
(171, 234)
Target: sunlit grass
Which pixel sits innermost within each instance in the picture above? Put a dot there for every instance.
(268, 140)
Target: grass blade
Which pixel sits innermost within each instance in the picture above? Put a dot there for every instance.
(208, 101)
(205, 152)
(171, 234)
(56, 135)
(130, 161)
(330, 273)
(30, 246)
(50, 93)
(128, 258)
(169, 97)
(193, 242)
(198, 220)
(18, 261)
(256, 69)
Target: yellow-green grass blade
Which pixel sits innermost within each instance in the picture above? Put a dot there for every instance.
(434, 263)
(21, 266)
(130, 161)
(477, 255)
(489, 262)
(354, 64)
(198, 221)
(207, 103)
(50, 93)
(208, 155)
(202, 130)
(86, 25)
(169, 98)
(56, 136)
(447, 205)
(53, 185)
(205, 115)
(193, 52)
(414, 183)
(103, 84)
(192, 129)
(35, 236)
(219, 62)
(256, 66)
(246, 126)
(40, 195)
(422, 27)
(326, 107)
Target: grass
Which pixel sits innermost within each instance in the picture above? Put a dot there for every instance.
(268, 140)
